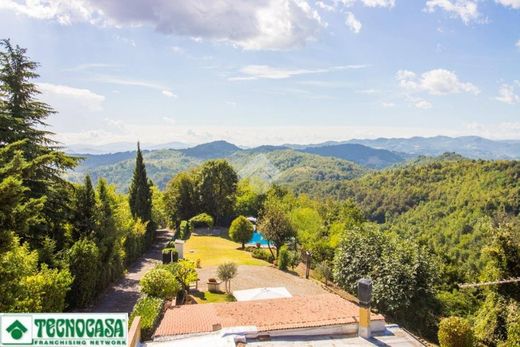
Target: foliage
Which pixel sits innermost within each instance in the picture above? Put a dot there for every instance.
(241, 230)
(140, 195)
(283, 258)
(455, 332)
(402, 273)
(250, 196)
(260, 253)
(180, 198)
(159, 215)
(84, 220)
(324, 271)
(216, 185)
(184, 230)
(159, 283)
(170, 255)
(202, 220)
(275, 226)
(149, 309)
(84, 264)
(226, 272)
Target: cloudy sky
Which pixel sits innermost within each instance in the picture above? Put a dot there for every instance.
(272, 71)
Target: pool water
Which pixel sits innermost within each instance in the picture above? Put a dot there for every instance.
(258, 238)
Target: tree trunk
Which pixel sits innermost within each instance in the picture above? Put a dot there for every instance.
(243, 245)
(269, 246)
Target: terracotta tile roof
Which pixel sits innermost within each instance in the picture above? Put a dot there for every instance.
(266, 315)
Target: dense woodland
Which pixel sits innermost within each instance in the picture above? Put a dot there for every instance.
(417, 230)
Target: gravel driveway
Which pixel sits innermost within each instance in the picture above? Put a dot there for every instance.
(263, 276)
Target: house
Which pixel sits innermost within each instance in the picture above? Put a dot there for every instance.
(313, 320)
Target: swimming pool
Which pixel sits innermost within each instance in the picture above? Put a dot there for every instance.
(258, 238)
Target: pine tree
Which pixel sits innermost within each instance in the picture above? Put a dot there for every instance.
(140, 195)
(22, 118)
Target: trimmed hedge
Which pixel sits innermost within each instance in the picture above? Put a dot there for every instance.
(149, 309)
(169, 255)
(184, 230)
(159, 283)
(259, 253)
(202, 220)
(455, 332)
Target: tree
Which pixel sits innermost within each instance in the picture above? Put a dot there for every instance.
(216, 189)
(83, 259)
(226, 272)
(455, 332)
(140, 195)
(275, 226)
(241, 230)
(159, 283)
(22, 119)
(84, 220)
(180, 198)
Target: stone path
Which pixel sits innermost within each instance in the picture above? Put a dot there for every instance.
(249, 277)
(123, 294)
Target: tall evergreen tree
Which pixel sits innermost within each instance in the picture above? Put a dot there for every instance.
(84, 221)
(140, 194)
(22, 117)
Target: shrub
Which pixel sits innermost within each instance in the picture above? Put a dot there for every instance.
(169, 255)
(184, 230)
(283, 258)
(260, 253)
(83, 259)
(202, 220)
(455, 332)
(149, 309)
(241, 230)
(324, 271)
(159, 283)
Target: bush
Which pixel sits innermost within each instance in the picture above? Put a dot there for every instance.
(455, 332)
(202, 220)
(184, 230)
(260, 253)
(83, 259)
(241, 230)
(283, 258)
(324, 271)
(159, 283)
(169, 255)
(149, 309)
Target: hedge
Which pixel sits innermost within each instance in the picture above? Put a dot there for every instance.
(259, 253)
(169, 255)
(202, 220)
(149, 309)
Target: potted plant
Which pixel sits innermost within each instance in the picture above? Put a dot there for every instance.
(213, 285)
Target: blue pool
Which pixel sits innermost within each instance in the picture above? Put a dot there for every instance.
(258, 238)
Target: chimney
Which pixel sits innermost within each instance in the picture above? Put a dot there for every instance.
(365, 297)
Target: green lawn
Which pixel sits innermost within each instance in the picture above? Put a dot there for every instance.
(208, 298)
(215, 250)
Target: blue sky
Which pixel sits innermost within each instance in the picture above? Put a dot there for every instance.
(272, 71)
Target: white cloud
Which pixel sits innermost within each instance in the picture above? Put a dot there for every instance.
(423, 104)
(435, 82)
(510, 3)
(507, 94)
(253, 72)
(388, 104)
(518, 44)
(169, 94)
(466, 10)
(352, 22)
(367, 3)
(60, 94)
(259, 24)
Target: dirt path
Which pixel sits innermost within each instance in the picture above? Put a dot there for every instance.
(123, 294)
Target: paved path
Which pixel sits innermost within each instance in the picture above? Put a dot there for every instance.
(123, 294)
(249, 277)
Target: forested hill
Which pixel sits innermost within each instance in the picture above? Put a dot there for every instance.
(450, 204)
(269, 163)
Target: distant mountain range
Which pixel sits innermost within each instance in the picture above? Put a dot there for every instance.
(292, 164)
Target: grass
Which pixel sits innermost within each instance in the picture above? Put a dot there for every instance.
(208, 298)
(215, 250)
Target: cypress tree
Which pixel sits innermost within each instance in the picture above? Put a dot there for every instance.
(140, 194)
(84, 221)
